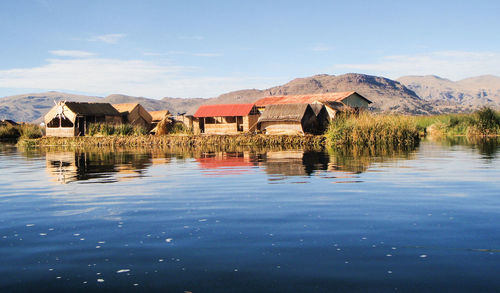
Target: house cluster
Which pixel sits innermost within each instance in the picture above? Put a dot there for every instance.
(293, 114)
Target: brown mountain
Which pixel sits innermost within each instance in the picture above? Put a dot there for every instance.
(435, 95)
(387, 95)
(456, 96)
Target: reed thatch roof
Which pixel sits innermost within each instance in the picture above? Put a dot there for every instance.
(159, 115)
(122, 108)
(285, 112)
(317, 107)
(85, 108)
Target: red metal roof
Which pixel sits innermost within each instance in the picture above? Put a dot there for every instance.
(223, 110)
(305, 99)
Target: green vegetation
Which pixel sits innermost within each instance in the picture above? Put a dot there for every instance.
(366, 129)
(23, 131)
(484, 122)
(105, 129)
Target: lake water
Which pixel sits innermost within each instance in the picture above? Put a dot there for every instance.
(153, 220)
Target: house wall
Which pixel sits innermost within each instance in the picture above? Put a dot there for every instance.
(310, 122)
(226, 128)
(281, 128)
(195, 123)
(355, 101)
(60, 131)
(113, 119)
(250, 123)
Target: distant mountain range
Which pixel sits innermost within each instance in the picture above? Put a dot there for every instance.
(455, 96)
(406, 95)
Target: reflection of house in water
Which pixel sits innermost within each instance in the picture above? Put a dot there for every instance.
(66, 167)
(294, 163)
(226, 163)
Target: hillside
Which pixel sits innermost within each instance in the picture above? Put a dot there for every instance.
(387, 95)
(456, 96)
(408, 95)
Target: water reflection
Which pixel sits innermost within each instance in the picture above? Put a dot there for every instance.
(66, 167)
(108, 165)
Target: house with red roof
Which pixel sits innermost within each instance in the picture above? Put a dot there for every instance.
(350, 99)
(227, 118)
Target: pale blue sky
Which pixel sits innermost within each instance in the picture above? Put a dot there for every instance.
(205, 48)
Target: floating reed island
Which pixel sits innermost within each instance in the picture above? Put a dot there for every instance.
(182, 140)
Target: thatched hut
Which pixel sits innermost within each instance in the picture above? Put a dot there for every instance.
(134, 114)
(158, 116)
(227, 119)
(288, 119)
(67, 119)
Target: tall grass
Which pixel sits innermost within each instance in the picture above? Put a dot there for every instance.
(23, 131)
(484, 122)
(365, 129)
(9, 132)
(106, 129)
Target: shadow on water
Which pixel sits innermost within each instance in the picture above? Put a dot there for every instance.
(108, 165)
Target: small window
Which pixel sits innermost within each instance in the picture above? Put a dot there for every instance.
(59, 122)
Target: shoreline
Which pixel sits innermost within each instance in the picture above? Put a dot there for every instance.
(257, 140)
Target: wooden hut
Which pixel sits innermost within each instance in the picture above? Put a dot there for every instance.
(351, 99)
(227, 118)
(288, 119)
(67, 119)
(134, 114)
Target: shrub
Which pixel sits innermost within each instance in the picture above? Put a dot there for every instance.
(9, 132)
(30, 131)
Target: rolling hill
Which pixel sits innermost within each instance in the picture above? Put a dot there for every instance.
(407, 95)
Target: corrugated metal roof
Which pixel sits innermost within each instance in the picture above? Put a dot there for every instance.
(224, 110)
(305, 99)
(84, 108)
(285, 112)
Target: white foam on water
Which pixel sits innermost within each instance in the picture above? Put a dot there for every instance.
(43, 234)
(30, 225)
(423, 256)
(168, 240)
(122, 271)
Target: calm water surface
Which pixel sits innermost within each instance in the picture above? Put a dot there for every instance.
(427, 220)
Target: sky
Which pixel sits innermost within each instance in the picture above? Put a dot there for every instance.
(202, 48)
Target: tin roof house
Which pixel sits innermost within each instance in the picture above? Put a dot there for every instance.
(227, 118)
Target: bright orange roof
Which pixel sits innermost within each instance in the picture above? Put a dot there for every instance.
(224, 110)
(305, 99)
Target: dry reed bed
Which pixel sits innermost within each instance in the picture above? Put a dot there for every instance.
(180, 140)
